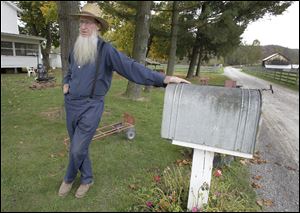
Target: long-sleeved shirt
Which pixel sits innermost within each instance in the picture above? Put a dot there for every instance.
(81, 78)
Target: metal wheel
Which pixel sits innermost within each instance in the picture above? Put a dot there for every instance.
(130, 133)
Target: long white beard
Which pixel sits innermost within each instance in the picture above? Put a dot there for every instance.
(85, 49)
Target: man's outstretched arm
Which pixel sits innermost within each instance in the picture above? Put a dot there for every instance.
(137, 72)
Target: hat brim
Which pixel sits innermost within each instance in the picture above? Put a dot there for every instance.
(101, 21)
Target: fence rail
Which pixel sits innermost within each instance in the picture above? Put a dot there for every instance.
(290, 77)
(210, 68)
(185, 68)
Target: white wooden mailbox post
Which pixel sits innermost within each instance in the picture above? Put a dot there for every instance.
(210, 119)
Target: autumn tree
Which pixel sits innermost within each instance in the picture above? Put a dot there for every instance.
(121, 18)
(40, 19)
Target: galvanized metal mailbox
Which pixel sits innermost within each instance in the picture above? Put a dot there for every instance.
(210, 119)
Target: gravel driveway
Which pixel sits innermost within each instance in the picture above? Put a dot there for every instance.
(277, 144)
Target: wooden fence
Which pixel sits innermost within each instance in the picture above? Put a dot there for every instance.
(185, 68)
(290, 77)
(210, 68)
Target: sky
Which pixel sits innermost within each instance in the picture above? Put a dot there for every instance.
(280, 30)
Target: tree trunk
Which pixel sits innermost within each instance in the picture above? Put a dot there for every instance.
(150, 41)
(199, 64)
(194, 56)
(141, 37)
(68, 30)
(193, 62)
(46, 61)
(174, 30)
(47, 49)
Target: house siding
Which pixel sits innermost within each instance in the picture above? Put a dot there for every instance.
(20, 61)
(10, 33)
(9, 20)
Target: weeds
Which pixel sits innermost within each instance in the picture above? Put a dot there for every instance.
(229, 191)
(168, 194)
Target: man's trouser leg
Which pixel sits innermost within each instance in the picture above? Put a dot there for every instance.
(83, 117)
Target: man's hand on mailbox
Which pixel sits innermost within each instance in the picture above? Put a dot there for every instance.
(174, 79)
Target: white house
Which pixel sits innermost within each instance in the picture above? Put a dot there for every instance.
(55, 58)
(17, 50)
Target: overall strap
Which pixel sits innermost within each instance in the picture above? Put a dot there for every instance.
(99, 57)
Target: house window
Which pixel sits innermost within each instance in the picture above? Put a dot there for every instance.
(6, 48)
(23, 49)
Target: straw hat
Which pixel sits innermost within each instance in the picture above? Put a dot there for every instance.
(93, 10)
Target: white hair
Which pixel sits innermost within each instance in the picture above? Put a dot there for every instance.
(85, 49)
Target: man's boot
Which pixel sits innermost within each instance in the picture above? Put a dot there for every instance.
(64, 189)
(83, 189)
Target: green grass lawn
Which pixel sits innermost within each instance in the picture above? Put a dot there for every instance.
(34, 157)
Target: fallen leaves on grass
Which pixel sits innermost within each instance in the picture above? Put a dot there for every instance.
(264, 202)
(256, 185)
(58, 154)
(244, 162)
(257, 159)
(268, 202)
(132, 186)
(260, 202)
(278, 164)
(62, 154)
(290, 168)
(42, 85)
(287, 167)
(182, 162)
(257, 177)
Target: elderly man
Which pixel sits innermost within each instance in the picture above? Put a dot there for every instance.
(91, 66)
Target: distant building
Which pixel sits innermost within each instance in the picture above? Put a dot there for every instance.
(17, 50)
(277, 61)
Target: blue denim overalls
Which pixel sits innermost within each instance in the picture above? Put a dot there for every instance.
(83, 113)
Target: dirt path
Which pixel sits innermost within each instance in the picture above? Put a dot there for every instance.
(277, 143)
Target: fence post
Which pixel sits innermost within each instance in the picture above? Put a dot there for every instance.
(297, 77)
(280, 75)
